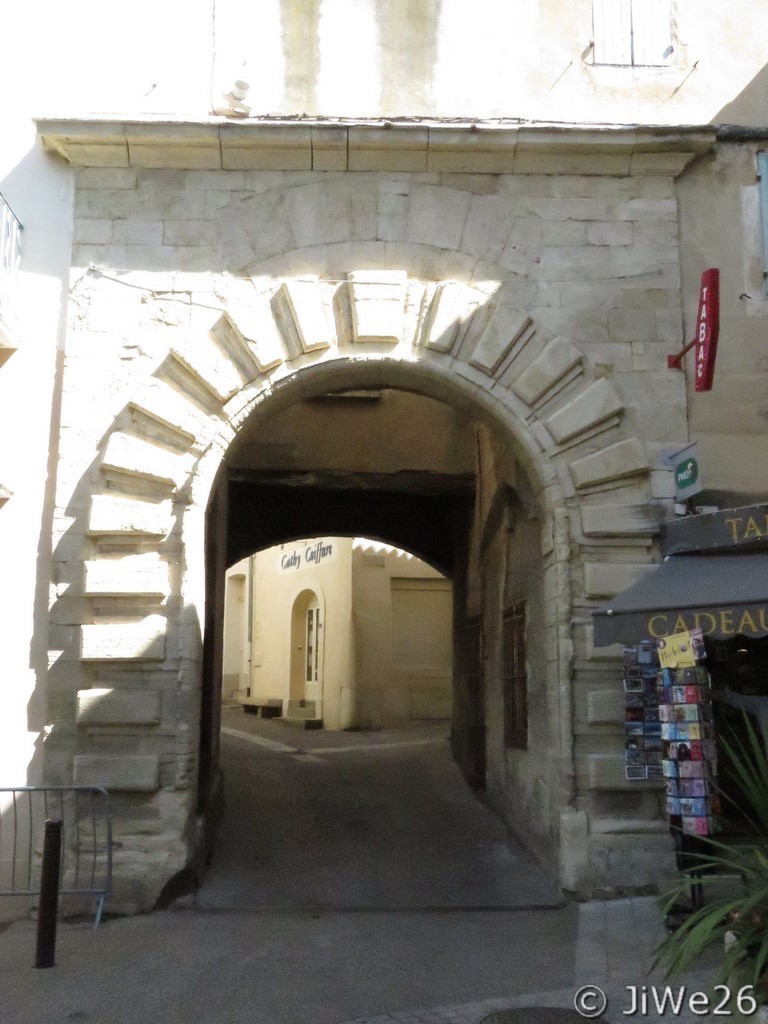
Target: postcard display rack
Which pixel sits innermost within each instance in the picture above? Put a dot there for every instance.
(670, 736)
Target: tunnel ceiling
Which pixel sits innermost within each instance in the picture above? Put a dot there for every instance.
(391, 465)
(424, 513)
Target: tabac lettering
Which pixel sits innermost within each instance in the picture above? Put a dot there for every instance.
(747, 527)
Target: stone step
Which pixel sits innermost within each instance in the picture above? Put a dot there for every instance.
(302, 723)
(301, 708)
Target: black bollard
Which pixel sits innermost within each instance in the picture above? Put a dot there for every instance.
(48, 908)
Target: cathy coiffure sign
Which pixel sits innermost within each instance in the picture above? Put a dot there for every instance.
(305, 556)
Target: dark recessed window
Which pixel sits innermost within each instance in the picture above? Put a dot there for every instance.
(515, 678)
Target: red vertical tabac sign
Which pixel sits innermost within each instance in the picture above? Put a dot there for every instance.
(707, 330)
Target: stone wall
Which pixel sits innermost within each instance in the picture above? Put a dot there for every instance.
(542, 305)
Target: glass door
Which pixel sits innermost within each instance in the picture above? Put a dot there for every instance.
(312, 648)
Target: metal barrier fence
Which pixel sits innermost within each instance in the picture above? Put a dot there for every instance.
(86, 848)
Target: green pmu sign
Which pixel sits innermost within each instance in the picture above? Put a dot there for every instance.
(687, 477)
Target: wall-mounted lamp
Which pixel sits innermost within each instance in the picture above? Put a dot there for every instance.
(232, 103)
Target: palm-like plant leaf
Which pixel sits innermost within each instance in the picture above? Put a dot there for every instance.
(747, 914)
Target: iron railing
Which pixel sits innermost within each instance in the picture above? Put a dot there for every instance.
(86, 848)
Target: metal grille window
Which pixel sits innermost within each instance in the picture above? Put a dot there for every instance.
(475, 703)
(762, 180)
(632, 32)
(515, 678)
(475, 666)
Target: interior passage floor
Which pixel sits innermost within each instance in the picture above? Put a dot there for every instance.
(378, 820)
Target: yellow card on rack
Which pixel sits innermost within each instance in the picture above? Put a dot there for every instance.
(676, 651)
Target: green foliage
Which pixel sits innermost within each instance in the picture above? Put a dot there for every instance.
(746, 915)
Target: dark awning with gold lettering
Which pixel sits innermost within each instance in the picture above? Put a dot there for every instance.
(723, 595)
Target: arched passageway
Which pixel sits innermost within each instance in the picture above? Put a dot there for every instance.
(434, 417)
(421, 474)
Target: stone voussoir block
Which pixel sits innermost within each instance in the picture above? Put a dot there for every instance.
(606, 579)
(625, 458)
(620, 520)
(452, 303)
(110, 706)
(128, 773)
(144, 574)
(135, 457)
(113, 514)
(505, 327)
(557, 359)
(211, 366)
(170, 409)
(595, 404)
(377, 298)
(304, 301)
(125, 641)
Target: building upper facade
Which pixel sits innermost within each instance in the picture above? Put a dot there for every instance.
(584, 61)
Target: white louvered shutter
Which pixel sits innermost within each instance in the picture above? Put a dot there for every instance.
(612, 27)
(629, 32)
(421, 624)
(651, 33)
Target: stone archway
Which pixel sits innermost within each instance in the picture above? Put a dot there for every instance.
(459, 343)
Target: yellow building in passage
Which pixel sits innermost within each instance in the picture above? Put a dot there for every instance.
(339, 633)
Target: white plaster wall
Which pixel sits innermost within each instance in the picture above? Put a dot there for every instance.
(398, 693)
(235, 666)
(39, 191)
(355, 593)
(436, 58)
(275, 591)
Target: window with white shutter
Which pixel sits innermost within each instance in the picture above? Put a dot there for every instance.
(632, 32)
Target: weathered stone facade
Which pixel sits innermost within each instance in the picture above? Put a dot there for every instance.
(540, 306)
(464, 207)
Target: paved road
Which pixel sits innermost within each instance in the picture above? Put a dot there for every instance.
(354, 886)
(358, 821)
